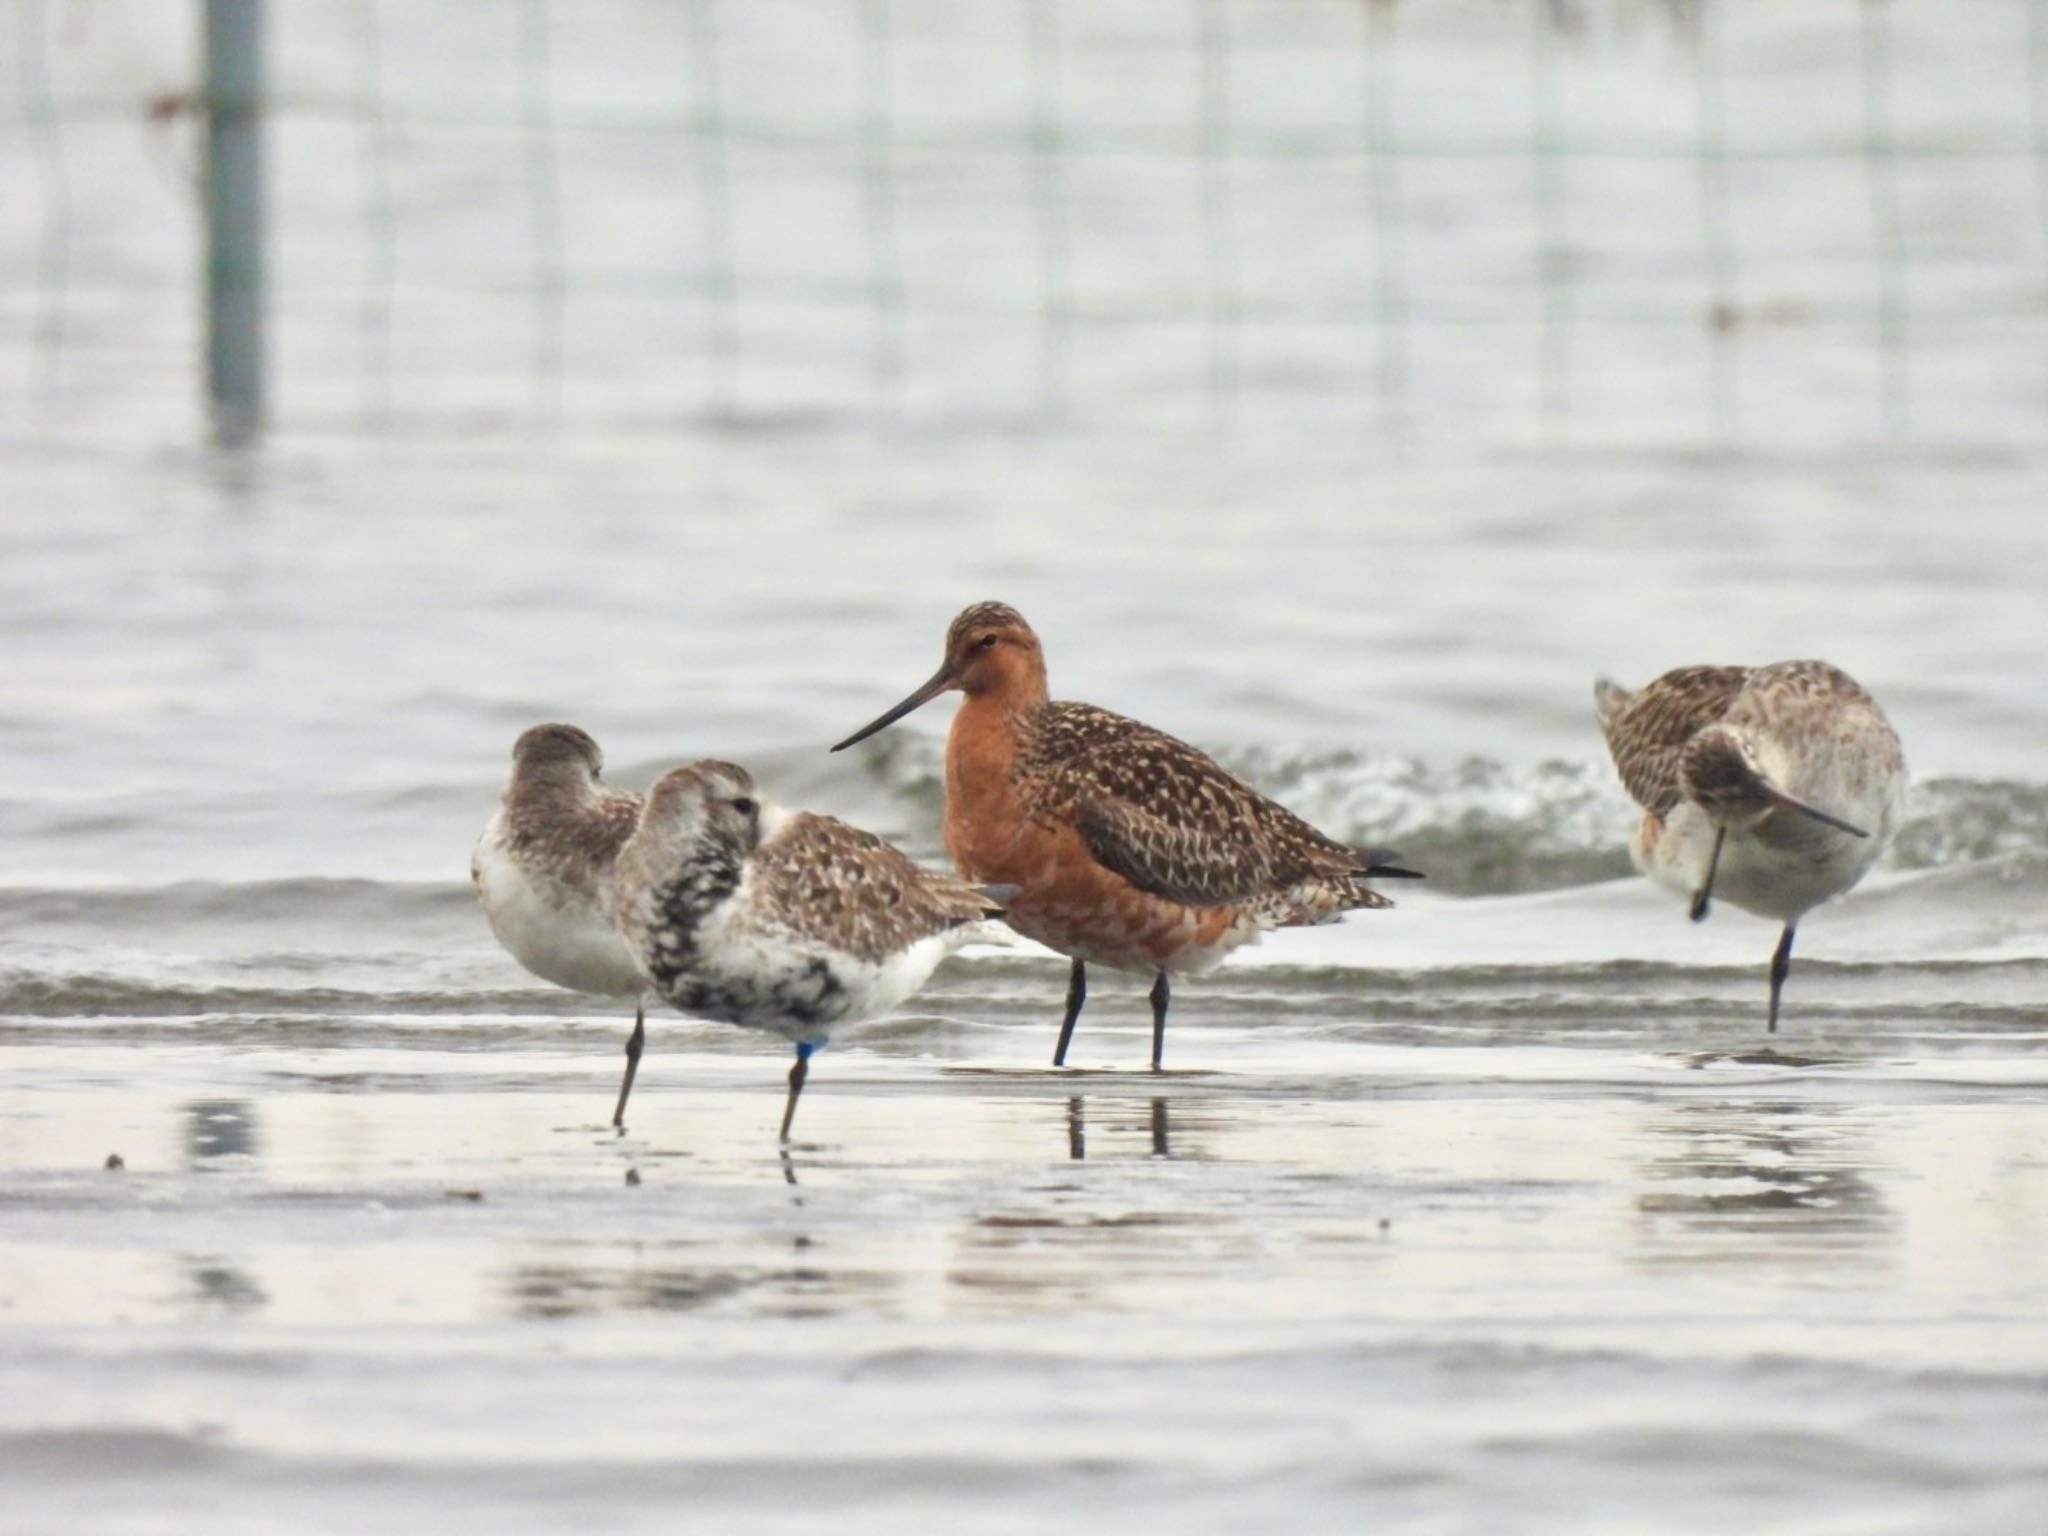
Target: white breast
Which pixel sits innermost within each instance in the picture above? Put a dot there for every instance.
(1783, 875)
(744, 944)
(559, 934)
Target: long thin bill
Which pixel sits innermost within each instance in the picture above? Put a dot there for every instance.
(941, 681)
(1787, 802)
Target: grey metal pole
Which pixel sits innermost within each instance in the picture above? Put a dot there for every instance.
(234, 217)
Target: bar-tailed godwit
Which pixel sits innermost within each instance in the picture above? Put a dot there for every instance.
(1128, 848)
(1775, 787)
(542, 866)
(777, 920)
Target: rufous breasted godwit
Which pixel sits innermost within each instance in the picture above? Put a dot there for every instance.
(542, 866)
(1775, 787)
(1128, 848)
(784, 921)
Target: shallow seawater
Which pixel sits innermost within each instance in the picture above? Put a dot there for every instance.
(1497, 1210)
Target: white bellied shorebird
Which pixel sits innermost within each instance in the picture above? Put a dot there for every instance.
(1128, 848)
(1775, 787)
(783, 921)
(542, 867)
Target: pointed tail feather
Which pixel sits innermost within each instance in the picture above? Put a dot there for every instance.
(1377, 864)
(1389, 872)
(964, 903)
(1610, 698)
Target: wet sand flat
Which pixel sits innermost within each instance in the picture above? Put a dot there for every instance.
(412, 1272)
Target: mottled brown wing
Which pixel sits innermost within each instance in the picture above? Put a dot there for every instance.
(1647, 730)
(845, 887)
(615, 816)
(574, 844)
(1166, 817)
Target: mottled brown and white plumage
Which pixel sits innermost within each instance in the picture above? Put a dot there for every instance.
(785, 921)
(543, 866)
(1775, 787)
(1171, 821)
(1128, 847)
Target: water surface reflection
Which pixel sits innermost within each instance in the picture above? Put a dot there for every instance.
(215, 1128)
(1768, 1179)
(1159, 1126)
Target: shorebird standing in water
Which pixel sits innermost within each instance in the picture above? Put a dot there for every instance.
(542, 866)
(1128, 847)
(1775, 787)
(779, 920)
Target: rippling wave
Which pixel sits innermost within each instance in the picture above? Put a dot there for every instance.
(1948, 941)
(1483, 827)
(1959, 884)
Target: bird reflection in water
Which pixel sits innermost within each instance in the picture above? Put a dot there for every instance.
(219, 1128)
(1077, 1129)
(559, 1289)
(1784, 1171)
(786, 1275)
(219, 1284)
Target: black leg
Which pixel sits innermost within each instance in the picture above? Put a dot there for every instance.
(1781, 967)
(797, 1074)
(1160, 1130)
(1077, 994)
(1160, 993)
(634, 1044)
(1077, 1131)
(1705, 894)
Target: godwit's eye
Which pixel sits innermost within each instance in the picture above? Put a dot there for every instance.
(743, 805)
(986, 643)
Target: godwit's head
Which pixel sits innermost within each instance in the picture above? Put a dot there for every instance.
(1732, 777)
(555, 750)
(701, 810)
(989, 650)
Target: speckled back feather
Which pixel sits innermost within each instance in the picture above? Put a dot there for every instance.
(824, 880)
(1647, 731)
(568, 837)
(1172, 821)
(1801, 688)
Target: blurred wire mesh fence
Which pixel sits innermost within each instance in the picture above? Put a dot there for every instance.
(1809, 223)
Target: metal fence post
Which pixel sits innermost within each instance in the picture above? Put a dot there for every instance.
(234, 217)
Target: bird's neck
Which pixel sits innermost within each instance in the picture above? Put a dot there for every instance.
(981, 757)
(1010, 680)
(683, 880)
